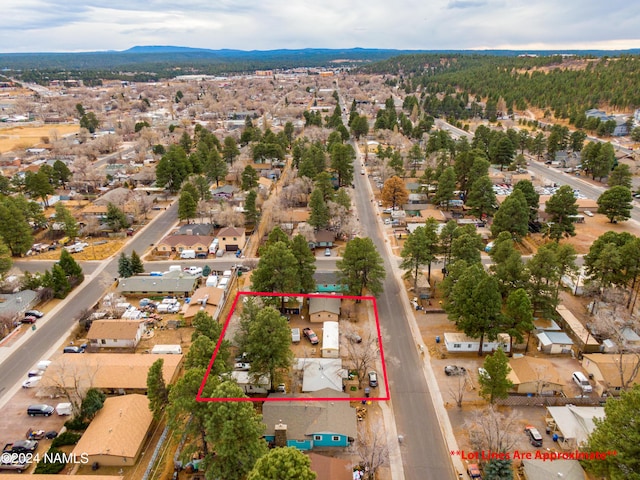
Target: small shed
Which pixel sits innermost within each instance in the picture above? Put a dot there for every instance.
(554, 342)
(330, 340)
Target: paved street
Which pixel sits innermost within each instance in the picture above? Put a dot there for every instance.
(424, 451)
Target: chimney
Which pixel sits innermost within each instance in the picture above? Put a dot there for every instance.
(281, 435)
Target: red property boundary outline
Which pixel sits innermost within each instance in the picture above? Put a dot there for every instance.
(200, 398)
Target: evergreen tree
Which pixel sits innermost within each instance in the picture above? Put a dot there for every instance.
(512, 216)
(342, 156)
(124, 266)
(59, 282)
(14, 229)
(531, 196)
(5, 259)
(616, 204)
(135, 264)
(157, 391)
(187, 206)
(285, 463)
(319, 216)
(276, 271)
(251, 214)
(621, 175)
(562, 209)
(494, 383)
(173, 168)
(518, 315)
(446, 187)
(482, 198)
(361, 267)
(68, 221)
(249, 178)
(420, 249)
(236, 431)
(92, 404)
(70, 267)
(617, 432)
(306, 263)
(116, 218)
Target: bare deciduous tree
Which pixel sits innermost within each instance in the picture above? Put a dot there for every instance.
(493, 431)
(456, 389)
(361, 356)
(371, 447)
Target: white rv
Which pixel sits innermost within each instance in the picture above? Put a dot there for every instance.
(167, 349)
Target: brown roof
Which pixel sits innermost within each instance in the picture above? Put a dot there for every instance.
(330, 468)
(230, 232)
(107, 370)
(114, 329)
(118, 429)
(174, 240)
(531, 369)
(609, 366)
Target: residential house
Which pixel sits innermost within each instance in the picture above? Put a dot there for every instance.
(611, 371)
(225, 192)
(117, 434)
(205, 229)
(534, 375)
(554, 342)
(572, 424)
(231, 239)
(558, 468)
(459, 342)
(324, 239)
(208, 299)
(327, 282)
(292, 305)
(581, 337)
(171, 283)
(330, 340)
(177, 243)
(323, 309)
(110, 372)
(265, 184)
(308, 425)
(250, 385)
(115, 333)
(331, 468)
(321, 373)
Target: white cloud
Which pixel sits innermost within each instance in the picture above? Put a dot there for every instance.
(85, 25)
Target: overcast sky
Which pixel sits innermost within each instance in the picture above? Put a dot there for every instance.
(89, 25)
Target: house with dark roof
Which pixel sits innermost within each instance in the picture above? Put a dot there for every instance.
(196, 229)
(324, 309)
(308, 425)
(224, 192)
(171, 283)
(327, 282)
(324, 239)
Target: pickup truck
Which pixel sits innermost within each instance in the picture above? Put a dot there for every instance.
(21, 446)
(17, 465)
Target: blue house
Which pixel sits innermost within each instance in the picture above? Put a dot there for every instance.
(327, 282)
(309, 425)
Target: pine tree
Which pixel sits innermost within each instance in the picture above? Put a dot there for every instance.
(60, 282)
(135, 264)
(124, 266)
(157, 389)
(70, 267)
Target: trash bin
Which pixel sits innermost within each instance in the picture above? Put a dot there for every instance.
(438, 339)
(555, 437)
(33, 327)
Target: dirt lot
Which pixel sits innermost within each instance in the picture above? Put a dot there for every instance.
(13, 138)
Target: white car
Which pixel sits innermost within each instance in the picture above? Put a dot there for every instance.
(31, 382)
(242, 366)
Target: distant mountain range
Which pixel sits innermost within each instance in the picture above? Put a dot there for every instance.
(176, 60)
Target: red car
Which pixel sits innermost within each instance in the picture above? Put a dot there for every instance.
(29, 319)
(311, 335)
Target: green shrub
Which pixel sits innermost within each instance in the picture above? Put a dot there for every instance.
(76, 424)
(53, 467)
(66, 438)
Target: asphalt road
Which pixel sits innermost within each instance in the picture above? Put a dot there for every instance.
(424, 450)
(15, 366)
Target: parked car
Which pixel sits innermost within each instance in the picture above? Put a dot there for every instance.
(373, 379)
(29, 319)
(40, 409)
(327, 252)
(535, 438)
(73, 349)
(452, 370)
(18, 466)
(51, 434)
(21, 446)
(34, 313)
(31, 382)
(311, 335)
(353, 337)
(474, 471)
